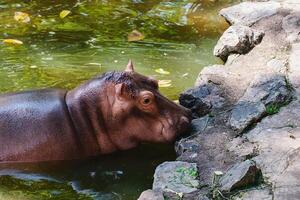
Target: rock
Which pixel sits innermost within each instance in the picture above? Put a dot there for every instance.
(231, 58)
(252, 86)
(209, 151)
(245, 113)
(294, 66)
(291, 4)
(265, 95)
(257, 194)
(277, 139)
(202, 100)
(248, 13)
(176, 177)
(151, 195)
(291, 25)
(200, 124)
(237, 39)
(242, 175)
(269, 89)
(278, 65)
(225, 82)
(185, 145)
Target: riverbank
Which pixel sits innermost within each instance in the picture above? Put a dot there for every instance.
(245, 139)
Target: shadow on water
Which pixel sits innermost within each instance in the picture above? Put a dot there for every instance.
(92, 39)
(118, 176)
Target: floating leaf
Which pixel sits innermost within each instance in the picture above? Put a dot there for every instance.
(176, 101)
(184, 75)
(135, 35)
(64, 13)
(12, 41)
(22, 17)
(162, 71)
(164, 83)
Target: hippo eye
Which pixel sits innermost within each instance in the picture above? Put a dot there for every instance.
(146, 101)
(146, 98)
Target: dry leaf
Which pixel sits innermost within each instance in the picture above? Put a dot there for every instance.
(22, 17)
(135, 36)
(162, 71)
(64, 13)
(12, 41)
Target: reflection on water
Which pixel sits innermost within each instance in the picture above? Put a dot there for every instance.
(92, 39)
(119, 176)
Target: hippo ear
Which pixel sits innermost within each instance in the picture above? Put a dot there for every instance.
(120, 91)
(129, 67)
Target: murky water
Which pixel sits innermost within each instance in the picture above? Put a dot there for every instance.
(92, 39)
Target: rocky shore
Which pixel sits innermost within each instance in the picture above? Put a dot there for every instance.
(245, 140)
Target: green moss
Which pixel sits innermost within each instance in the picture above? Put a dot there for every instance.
(192, 172)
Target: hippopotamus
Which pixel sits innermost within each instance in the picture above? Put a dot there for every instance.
(114, 111)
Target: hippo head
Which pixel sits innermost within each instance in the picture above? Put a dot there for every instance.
(141, 112)
(124, 109)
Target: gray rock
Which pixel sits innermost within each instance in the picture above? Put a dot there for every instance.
(247, 13)
(237, 39)
(231, 59)
(277, 139)
(202, 99)
(176, 177)
(245, 113)
(294, 66)
(291, 4)
(278, 65)
(209, 151)
(226, 83)
(186, 144)
(266, 91)
(291, 25)
(242, 175)
(257, 194)
(200, 124)
(151, 195)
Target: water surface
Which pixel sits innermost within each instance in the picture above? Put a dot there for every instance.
(92, 39)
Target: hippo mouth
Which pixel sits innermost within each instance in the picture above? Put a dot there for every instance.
(171, 130)
(167, 135)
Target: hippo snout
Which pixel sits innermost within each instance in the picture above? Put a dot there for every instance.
(184, 121)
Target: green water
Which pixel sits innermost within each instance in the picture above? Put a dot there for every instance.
(92, 39)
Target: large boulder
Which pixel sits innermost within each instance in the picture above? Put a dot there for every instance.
(176, 177)
(203, 99)
(151, 195)
(241, 175)
(265, 95)
(247, 13)
(237, 39)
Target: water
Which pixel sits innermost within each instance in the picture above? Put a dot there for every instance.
(92, 39)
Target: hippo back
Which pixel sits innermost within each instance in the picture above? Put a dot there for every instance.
(36, 126)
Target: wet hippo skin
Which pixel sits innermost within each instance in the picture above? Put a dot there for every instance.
(115, 111)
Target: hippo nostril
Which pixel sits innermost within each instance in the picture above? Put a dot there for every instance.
(184, 121)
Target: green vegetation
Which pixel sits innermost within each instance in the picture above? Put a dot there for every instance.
(272, 109)
(192, 172)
